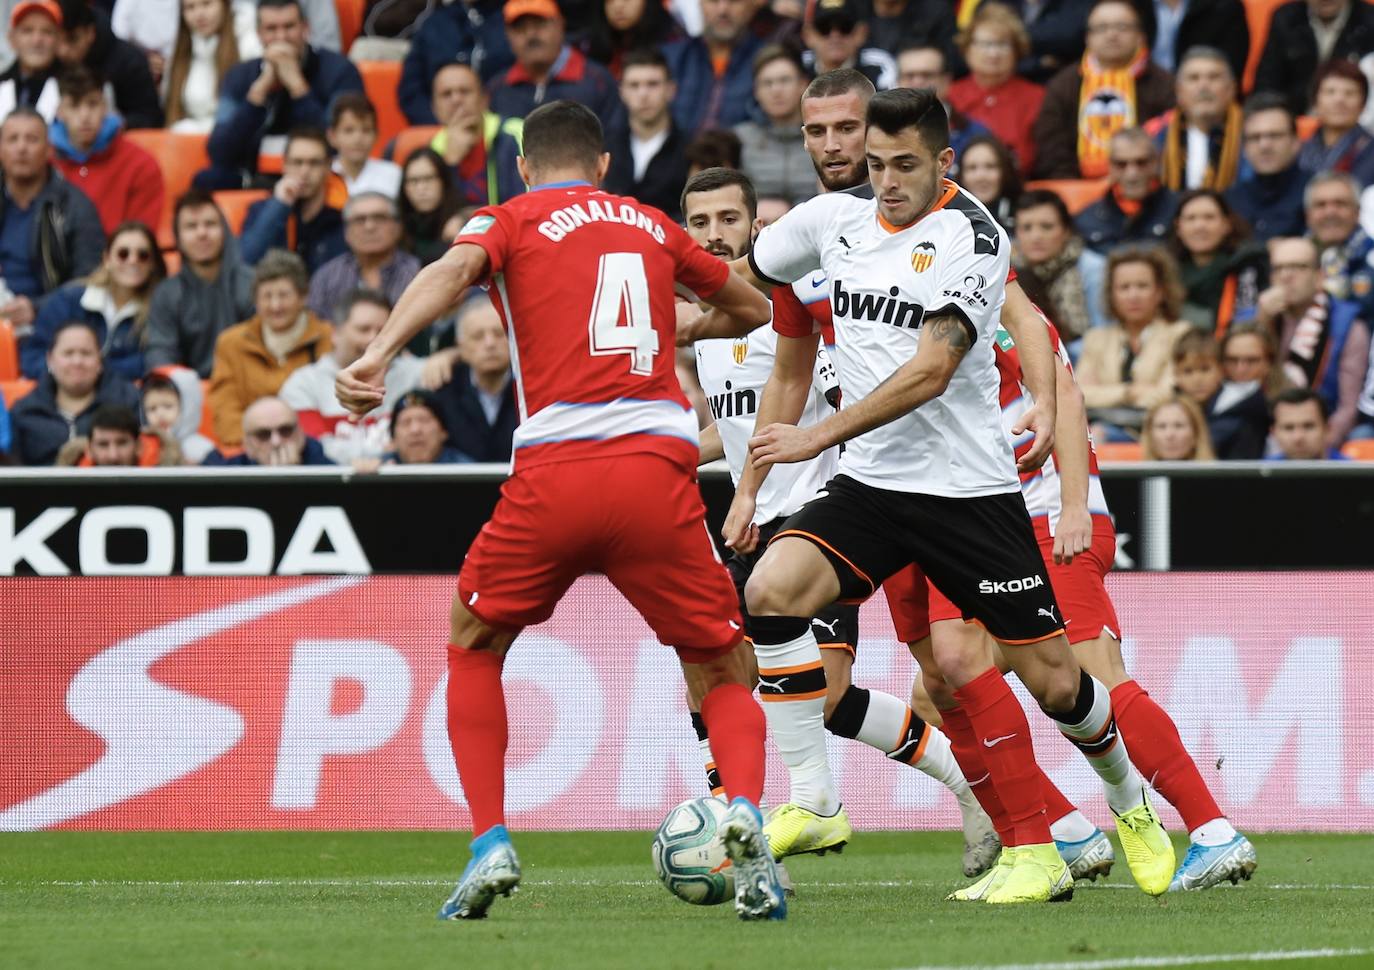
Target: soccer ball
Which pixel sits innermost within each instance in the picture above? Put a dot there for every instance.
(689, 856)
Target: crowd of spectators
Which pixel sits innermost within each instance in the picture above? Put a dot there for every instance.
(1192, 205)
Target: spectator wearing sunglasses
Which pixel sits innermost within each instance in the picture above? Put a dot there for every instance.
(272, 436)
(836, 35)
(113, 300)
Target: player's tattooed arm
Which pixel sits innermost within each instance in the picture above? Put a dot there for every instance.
(945, 339)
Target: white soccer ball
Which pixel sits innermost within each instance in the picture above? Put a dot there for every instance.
(689, 856)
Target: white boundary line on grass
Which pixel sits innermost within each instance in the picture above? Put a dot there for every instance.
(364, 881)
(1128, 963)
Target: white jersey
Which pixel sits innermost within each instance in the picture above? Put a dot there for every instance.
(732, 373)
(883, 282)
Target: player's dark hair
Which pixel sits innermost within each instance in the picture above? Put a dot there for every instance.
(721, 178)
(841, 81)
(562, 134)
(645, 57)
(114, 417)
(901, 108)
(76, 82)
(1300, 396)
(361, 296)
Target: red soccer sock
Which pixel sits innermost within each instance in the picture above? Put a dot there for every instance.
(1056, 805)
(735, 724)
(478, 733)
(965, 745)
(1158, 751)
(1004, 737)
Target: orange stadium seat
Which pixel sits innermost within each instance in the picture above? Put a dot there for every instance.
(15, 389)
(1077, 194)
(180, 156)
(1307, 126)
(1359, 450)
(235, 203)
(207, 420)
(9, 352)
(411, 139)
(380, 80)
(1119, 451)
(351, 16)
(172, 259)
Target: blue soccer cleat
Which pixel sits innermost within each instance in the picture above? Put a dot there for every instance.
(493, 871)
(759, 892)
(1208, 865)
(1089, 858)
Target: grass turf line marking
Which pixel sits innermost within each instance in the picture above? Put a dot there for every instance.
(1128, 963)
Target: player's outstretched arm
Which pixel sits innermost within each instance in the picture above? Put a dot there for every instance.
(710, 448)
(783, 400)
(1075, 531)
(720, 320)
(1037, 369)
(433, 293)
(945, 339)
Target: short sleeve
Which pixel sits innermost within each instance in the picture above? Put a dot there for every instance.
(693, 267)
(790, 316)
(972, 280)
(492, 228)
(791, 247)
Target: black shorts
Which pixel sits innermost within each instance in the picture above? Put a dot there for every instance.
(980, 552)
(836, 627)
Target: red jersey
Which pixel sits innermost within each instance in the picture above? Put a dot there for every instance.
(584, 282)
(803, 308)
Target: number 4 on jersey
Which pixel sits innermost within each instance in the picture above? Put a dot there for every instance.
(622, 293)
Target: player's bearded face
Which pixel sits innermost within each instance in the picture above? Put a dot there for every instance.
(719, 222)
(905, 174)
(833, 132)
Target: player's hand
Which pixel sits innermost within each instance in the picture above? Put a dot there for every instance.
(688, 315)
(1074, 535)
(1040, 423)
(360, 386)
(783, 444)
(740, 533)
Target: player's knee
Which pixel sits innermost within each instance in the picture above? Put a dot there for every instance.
(765, 595)
(1057, 688)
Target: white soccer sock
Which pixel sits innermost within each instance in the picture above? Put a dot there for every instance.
(1073, 827)
(792, 687)
(890, 725)
(1092, 729)
(1216, 832)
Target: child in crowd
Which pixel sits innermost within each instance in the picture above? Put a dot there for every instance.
(1233, 395)
(352, 134)
(171, 404)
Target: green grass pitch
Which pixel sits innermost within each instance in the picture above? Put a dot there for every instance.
(590, 900)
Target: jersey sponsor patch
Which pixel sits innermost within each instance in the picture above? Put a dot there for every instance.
(477, 225)
(923, 256)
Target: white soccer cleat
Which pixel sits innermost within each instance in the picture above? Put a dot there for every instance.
(493, 871)
(1206, 866)
(759, 892)
(1088, 858)
(981, 843)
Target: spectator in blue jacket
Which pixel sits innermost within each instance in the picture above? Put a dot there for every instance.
(272, 435)
(290, 86)
(1136, 208)
(63, 404)
(708, 95)
(113, 300)
(547, 69)
(1269, 194)
(298, 216)
(470, 32)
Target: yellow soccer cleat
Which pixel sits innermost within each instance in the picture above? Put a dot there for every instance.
(990, 881)
(793, 830)
(1148, 850)
(1037, 875)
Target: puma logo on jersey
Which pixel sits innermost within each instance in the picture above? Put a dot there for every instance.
(1044, 612)
(845, 243)
(830, 627)
(1011, 585)
(774, 686)
(734, 403)
(985, 242)
(876, 307)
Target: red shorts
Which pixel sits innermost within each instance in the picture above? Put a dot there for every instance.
(637, 518)
(1079, 588)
